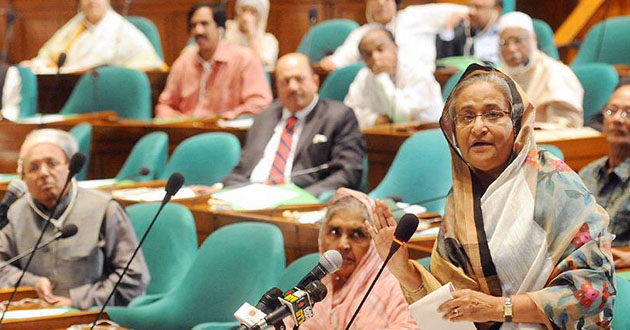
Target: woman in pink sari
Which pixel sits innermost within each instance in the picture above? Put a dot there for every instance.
(344, 229)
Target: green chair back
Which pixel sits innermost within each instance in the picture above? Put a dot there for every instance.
(553, 150)
(235, 264)
(545, 37)
(621, 318)
(420, 171)
(599, 81)
(205, 158)
(606, 42)
(83, 134)
(296, 270)
(509, 6)
(149, 29)
(170, 247)
(150, 152)
(450, 84)
(28, 104)
(336, 85)
(126, 91)
(322, 39)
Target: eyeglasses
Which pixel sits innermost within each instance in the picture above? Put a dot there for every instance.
(517, 41)
(610, 112)
(489, 117)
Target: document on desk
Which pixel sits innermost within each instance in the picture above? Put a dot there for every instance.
(424, 311)
(256, 196)
(42, 312)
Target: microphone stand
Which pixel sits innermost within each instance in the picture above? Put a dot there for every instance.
(25, 253)
(11, 17)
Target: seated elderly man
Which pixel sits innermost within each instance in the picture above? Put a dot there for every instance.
(552, 86)
(79, 271)
(301, 131)
(345, 229)
(10, 89)
(97, 36)
(389, 91)
(608, 177)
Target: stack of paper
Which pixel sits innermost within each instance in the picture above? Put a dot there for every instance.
(150, 194)
(425, 311)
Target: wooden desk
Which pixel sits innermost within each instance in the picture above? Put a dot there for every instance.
(57, 322)
(383, 142)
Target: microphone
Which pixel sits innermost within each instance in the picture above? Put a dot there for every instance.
(11, 18)
(405, 229)
(15, 190)
(61, 61)
(328, 263)
(312, 16)
(76, 163)
(65, 232)
(174, 183)
(95, 76)
(126, 6)
(248, 315)
(312, 20)
(297, 303)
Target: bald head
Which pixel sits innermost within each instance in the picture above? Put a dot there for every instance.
(296, 82)
(617, 127)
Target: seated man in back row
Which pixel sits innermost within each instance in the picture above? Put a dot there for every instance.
(214, 78)
(389, 90)
(552, 87)
(78, 271)
(301, 131)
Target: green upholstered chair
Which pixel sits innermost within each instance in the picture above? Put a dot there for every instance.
(545, 37)
(126, 91)
(235, 264)
(83, 134)
(450, 84)
(599, 81)
(169, 248)
(553, 150)
(509, 6)
(337, 84)
(625, 275)
(205, 158)
(420, 171)
(621, 318)
(28, 104)
(606, 42)
(322, 39)
(150, 152)
(149, 29)
(426, 262)
(296, 270)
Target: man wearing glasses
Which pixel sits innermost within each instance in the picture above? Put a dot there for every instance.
(607, 178)
(552, 87)
(473, 33)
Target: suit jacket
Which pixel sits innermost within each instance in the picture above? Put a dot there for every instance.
(345, 145)
(453, 47)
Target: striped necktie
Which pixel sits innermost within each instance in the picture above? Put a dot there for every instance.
(276, 175)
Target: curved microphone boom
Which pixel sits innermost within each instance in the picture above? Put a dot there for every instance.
(65, 232)
(174, 183)
(405, 229)
(76, 163)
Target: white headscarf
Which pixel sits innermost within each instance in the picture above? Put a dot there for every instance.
(517, 19)
(262, 6)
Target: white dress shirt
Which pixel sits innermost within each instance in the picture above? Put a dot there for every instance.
(11, 94)
(414, 27)
(260, 173)
(416, 96)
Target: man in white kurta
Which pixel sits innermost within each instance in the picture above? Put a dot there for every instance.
(389, 90)
(11, 92)
(97, 36)
(552, 86)
(415, 28)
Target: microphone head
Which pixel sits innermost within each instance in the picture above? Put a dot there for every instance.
(316, 290)
(61, 60)
(406, 227)
(174, 183)
(68, 231)
(269, 300)
(17, 187)
(11, 17)
(76, 164)
(312, 14)
(331, 260)
(144, 171)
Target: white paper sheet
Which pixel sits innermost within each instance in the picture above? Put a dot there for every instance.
(256, 196)
(424, 311)
(150, 194)
(431, 232)
(94, 184)
(244, 122)
(30, 313)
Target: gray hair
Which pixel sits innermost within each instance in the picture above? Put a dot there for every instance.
(347, 203)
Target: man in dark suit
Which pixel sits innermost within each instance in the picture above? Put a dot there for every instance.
(301, 131)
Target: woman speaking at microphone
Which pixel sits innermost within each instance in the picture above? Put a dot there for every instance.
(522, 239)
(345, 229)
(79, 271)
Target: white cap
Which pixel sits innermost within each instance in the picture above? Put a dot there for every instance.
(516, 19)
